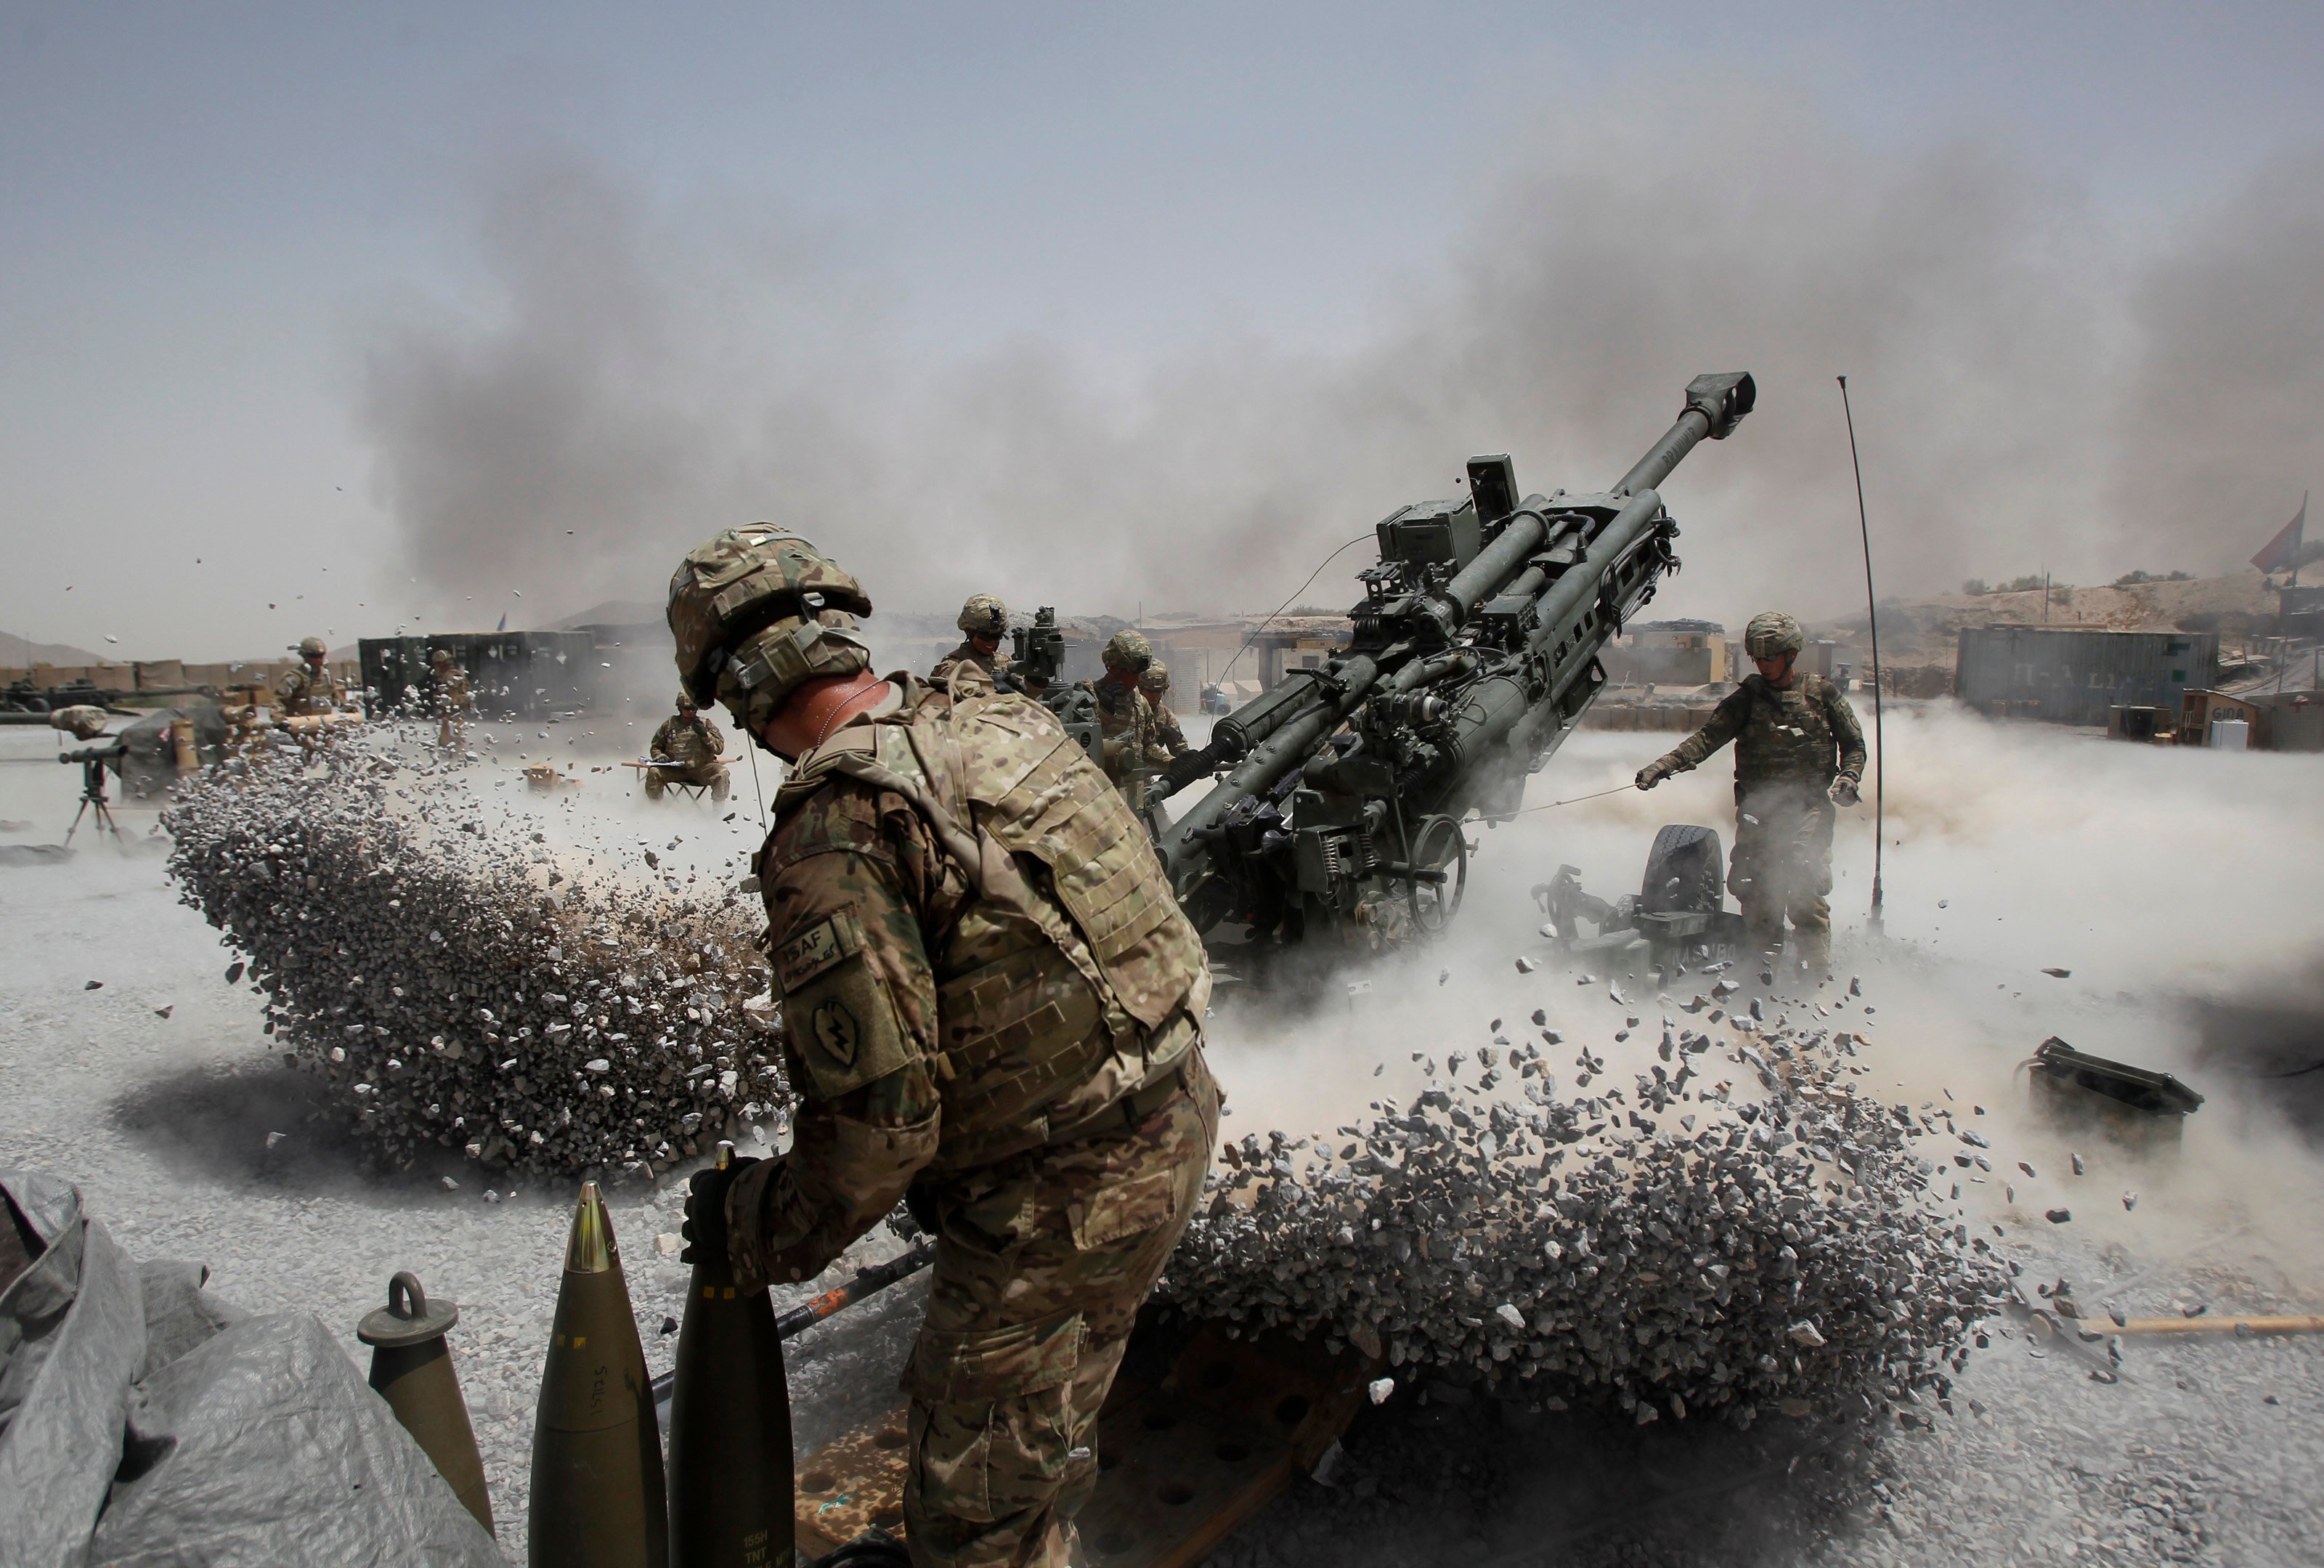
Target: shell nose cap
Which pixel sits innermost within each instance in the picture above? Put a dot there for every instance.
(589, 1248)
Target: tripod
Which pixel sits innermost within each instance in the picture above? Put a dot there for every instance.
(92, 799)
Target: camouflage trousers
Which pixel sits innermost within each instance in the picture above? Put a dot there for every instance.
(1781, 866)
(1042, 1263)
(661, 779)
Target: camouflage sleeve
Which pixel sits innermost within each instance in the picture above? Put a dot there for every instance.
(659, 747)
(1726, 723)
(1847, 731)
(859, 1001)
(715, 737)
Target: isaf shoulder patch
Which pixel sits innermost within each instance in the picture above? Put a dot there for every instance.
(845, 1029)
(814, 949)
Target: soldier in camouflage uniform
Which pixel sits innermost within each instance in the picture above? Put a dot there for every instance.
(983, 622)
(1167, 736)
(991, 1002)
(308, 690)
(1131, 747)
(695, 744)
(1799, 752)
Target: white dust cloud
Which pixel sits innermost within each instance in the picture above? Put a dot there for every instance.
(2160, 878)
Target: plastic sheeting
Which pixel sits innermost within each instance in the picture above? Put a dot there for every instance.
(143, 1421)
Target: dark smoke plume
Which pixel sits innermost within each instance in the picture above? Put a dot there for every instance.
(2221, 434)
(651, 374)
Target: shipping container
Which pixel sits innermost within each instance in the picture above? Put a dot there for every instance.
(518, 675)
(2074, 675)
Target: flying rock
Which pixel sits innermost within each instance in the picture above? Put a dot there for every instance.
(1623, 1257)
(410, 954)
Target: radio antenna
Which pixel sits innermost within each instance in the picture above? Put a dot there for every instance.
(1872, 614)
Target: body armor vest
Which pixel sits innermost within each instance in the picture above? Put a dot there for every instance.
(1787, 737)
(1073, 974)
(305, 690)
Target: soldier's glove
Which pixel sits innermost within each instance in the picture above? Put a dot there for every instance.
(1655, 772)
(1843, 791)
(705, 1228)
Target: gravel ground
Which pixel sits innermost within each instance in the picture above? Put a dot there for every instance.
(2191, 1454)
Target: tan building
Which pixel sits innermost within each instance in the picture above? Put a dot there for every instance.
(1671, 653)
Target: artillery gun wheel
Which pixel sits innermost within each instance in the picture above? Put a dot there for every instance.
(1438, 846)
(1685, 873)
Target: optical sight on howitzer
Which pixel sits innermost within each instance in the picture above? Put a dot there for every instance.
(1038, 650)
(1037, 664)
(1475, 653)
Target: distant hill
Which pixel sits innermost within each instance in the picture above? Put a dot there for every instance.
(15, 651)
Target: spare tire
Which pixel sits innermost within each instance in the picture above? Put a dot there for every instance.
(1685, 873)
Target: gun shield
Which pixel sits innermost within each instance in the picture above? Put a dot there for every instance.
(598, 1499)
(412, 1370)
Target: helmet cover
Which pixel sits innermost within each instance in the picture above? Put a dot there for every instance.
(1128, 651)
(755, 612)
(984, 615)
(1772, 634)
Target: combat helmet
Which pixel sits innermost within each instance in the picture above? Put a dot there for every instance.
(1128, 651)
(755, 612)
(442, 657)
(1772, 634)
(313, 648)
(984, 615)
(1155, 679)
(686, 699)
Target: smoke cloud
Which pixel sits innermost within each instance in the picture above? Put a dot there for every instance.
(2221, 436)
(2030, 386)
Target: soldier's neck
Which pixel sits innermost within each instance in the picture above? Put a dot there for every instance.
(817, 711)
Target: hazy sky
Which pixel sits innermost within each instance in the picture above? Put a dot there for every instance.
(326, 296)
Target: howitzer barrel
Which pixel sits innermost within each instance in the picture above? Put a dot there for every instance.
(1557, 608)
(1714, 403)
(1493, 707)
(1488, 574)
(1239, 732)
(1292, 737)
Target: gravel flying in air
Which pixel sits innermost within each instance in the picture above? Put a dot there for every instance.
(1685, 1247)
(455, 981)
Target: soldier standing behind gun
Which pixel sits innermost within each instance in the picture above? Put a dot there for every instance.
(1168, 738)
(695, 745)
(449, 696)
(1799, 752)
(1125, 718)
(992, 1002)
(308, 690)
(983, 622)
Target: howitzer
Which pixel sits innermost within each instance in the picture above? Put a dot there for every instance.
(1475, 652)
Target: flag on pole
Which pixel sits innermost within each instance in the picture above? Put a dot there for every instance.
(2278, 554)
